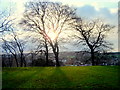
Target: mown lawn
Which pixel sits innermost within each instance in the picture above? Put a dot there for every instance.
(61, 77)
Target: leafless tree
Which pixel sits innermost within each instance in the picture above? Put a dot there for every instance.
(20, 45)
(93, 35)
(15, 47)
(10, 49)
(49, 20)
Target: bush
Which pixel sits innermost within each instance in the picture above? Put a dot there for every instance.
(42, 62)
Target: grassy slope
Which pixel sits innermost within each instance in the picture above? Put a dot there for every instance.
(61, 77)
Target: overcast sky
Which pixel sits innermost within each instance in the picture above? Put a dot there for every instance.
(89, 9)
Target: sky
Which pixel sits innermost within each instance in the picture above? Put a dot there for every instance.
(88, 9)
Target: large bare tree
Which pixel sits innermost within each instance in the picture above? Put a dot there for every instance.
(49, 20)
(92, 34)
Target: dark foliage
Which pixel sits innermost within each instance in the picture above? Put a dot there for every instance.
(42, 62)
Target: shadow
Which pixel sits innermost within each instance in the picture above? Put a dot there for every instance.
(59, 79)
(19, 79)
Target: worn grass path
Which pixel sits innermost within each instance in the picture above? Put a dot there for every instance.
(61, 77)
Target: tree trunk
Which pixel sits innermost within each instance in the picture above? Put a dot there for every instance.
(21, 63)
(16, 60)
(32, 58)
(55, 49)
(46, 53)
(57, 59)
(57, 56)
(9, 61)
(24, 61)
(92, 57)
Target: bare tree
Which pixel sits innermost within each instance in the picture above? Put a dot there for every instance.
(20, 45)
(15, 46)
(5, 25)
(10, 49)
(93, 35)
(49, 20)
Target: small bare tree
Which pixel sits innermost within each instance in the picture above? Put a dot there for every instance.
(92, 34)
(15, 46)
(10, 49)
(20, 45)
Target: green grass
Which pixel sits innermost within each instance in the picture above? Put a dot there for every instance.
(61, 77)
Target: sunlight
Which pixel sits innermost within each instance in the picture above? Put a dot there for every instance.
(52, 35)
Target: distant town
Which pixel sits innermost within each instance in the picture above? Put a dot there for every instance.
(75, 58)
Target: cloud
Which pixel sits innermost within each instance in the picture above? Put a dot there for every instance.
(89, 11)
(86, 11)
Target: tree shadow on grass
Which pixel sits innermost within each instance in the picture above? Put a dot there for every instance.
(21, 78)
(59, 79)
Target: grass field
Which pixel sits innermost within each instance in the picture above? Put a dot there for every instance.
(61, 77)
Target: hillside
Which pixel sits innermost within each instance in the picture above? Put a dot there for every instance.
(61, 77)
